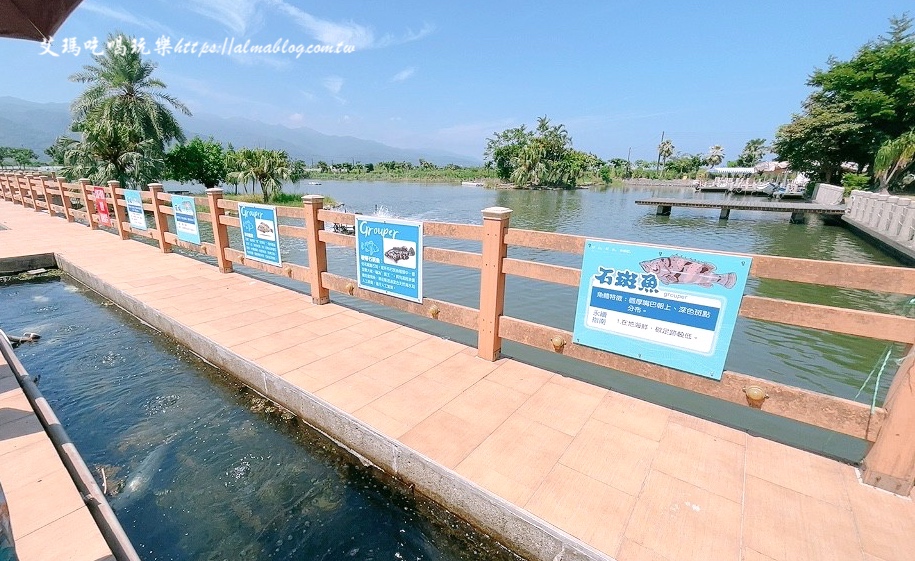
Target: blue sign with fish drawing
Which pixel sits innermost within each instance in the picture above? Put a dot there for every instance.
(667, 306)
(389, 257)
(259, 233)
(186, 227)
(135, 213)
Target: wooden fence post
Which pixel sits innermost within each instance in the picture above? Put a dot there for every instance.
(120, 212)
(84, 197)
(65, 200)
(890, 463)
(43, 188)
(220, 230)
(317, 250)
(492, 281)
(160, 218)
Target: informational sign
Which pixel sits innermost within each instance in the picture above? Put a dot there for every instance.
(259, 233)
(186, 226)
(135, 213)
(389, 257)
(662, 305)
(101, 206)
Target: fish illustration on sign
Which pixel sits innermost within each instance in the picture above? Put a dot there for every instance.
(402, 253)
(369, 248)
(264, 228)
(677, 269)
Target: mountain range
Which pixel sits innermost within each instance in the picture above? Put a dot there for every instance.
(27, 124)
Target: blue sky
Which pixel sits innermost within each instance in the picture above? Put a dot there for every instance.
(449, 74)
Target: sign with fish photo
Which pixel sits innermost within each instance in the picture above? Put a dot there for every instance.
(186, 227)
(667, 306)
(389, 257)
(259, 233)
(135, 213)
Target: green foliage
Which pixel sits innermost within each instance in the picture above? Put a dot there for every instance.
(715, 155)
(857, 107)
(58, 151)
(685, 164)
(21, 156)
(665, 150)
(855, 181)
(895, 161)
(269, 168)
(123, 118)
(753, 152)
(540, 157)
(203, 161)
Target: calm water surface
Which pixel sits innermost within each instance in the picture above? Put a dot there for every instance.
(207, 469)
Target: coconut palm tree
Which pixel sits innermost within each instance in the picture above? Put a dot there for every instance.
(665, 150)
(715, 155)
(124, 117)
(893, 158)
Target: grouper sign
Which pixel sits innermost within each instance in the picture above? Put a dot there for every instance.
(668, 306)
(389, 257)
(259, 233)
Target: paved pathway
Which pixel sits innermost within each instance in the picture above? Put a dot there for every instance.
(635, 480)
(49, 519)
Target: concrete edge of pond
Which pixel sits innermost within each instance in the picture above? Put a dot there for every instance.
(509, 524)
(15, 265)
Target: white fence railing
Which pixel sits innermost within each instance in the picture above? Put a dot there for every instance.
(888, 215)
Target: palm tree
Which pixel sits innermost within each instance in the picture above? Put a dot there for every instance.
(123, 116)
(665, 150)
(715, 155)
(893, 158)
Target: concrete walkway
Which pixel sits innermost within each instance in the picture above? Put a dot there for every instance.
(48, 516)
(634, 480)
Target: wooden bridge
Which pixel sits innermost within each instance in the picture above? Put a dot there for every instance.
(555, 467)
(799, 210)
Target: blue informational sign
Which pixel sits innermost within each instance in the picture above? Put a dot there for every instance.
(389, 257)
(186, 226)
(135, 213)
(667, 306)
(259, 233)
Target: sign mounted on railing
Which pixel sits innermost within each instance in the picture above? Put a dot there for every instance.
(389, 257)
(259, 233)
(669, 307)
(101, 206)
(186, 226)
(135, 213)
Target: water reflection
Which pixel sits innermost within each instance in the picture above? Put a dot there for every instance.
(200, 467)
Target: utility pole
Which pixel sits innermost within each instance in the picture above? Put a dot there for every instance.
(629, 162)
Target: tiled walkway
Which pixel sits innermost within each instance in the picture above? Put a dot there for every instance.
(49, 519)
(635, 480)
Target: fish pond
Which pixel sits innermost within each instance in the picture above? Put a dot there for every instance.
(198, 467)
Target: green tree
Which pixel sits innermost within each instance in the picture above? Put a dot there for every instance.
(665, 150)
(124, 118)
(23, 156)
(203, 161)
(857, 106)
(58, 151)
(753, 152)
(540, 157)
(715, 155)
(894, 159)
(684, 164)
(269, 168)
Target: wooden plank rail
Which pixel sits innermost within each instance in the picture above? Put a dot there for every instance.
(891, 466)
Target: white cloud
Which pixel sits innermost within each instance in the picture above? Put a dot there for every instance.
(348, 33)
(403, 74)
(333, 84)
(236, 15)
(123, 17)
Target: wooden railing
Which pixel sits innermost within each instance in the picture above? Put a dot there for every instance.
(889, 464)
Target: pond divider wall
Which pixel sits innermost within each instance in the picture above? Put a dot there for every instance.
(520, 531)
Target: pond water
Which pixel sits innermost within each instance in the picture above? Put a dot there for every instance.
(834, 364)
(199, 466)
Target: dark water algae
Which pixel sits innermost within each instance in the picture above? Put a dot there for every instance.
(198, 466)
